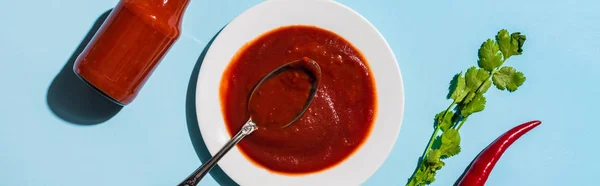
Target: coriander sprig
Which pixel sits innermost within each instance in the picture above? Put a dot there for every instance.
(467, 92)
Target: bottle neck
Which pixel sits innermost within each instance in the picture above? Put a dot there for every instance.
(176, 7)
(166, 15)
(164, 7)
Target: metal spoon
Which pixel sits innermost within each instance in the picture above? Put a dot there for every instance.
(250, 126)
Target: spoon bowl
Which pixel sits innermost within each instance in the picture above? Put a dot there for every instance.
(298, 71)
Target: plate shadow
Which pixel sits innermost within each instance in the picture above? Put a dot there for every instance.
(192, 122)
(71, 99)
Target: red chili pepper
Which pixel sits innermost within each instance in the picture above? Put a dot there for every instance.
(482, 166)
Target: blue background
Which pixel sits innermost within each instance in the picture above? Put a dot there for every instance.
(50, 135)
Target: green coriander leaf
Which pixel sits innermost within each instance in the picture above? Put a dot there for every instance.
(426, 172)
(457, 88)
(434, 160)
(444, 121)
(475, 76)
(423, 176)
(476, 105)
(451, 151)
(469, 97)
(413, 180)
(418, 178)
(433, 157)
(504, 41)
(489, 55)
(463, 95)
(471, 77)
(429, 177)
(450, 136)
(450, 143)
(486, 85)
(508, 78)
(510, 44)
(517, 43)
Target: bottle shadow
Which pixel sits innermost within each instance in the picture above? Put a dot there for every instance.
(71, 99)
(192, 122)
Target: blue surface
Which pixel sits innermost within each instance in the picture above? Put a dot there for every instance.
(50, 136)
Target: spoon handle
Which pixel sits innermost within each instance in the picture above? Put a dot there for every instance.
(195, 177)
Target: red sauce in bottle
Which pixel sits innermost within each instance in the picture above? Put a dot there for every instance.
(129, 46)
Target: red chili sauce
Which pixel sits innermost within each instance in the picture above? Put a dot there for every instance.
(338, 120)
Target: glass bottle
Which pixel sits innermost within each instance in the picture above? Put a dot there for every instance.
(129, 45)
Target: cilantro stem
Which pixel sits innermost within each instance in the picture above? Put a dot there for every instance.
(486, 80)
(430, 143)
(437, 128)
(449, 107)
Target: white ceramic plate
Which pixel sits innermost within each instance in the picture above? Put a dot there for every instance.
(329, 15)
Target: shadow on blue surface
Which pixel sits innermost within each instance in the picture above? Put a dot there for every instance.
(71, 99)
(192, 122)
